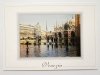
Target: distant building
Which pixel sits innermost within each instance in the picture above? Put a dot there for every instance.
(37, 33)
(26, 33)
(59, 31)
(43, 37)
(32, 34)
(69, 26)
(37, 29)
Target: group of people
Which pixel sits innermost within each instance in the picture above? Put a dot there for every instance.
(62, 40)
(57, 39)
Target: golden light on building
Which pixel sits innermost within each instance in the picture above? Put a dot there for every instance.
(77, 24)
(77, 19)
(26, 34)
(72, 21)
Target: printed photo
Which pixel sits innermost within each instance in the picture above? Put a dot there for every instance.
(49, 35)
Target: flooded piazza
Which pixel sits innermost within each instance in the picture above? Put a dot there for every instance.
(45, 51)
(53, 35)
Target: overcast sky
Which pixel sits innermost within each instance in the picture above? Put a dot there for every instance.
(43, 19)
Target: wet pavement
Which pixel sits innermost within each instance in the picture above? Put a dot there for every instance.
(47, 51)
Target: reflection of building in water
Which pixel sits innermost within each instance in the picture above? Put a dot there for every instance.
(26, 34)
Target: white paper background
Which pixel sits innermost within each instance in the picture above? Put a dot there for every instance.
(87, 38)
(78, 72)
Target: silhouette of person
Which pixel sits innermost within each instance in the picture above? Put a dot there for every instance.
(52, 41)
(27, 48)
(47, 39)
(66, 40)
(60, 39)
(73, 38)
(56, 40)
(48, 42)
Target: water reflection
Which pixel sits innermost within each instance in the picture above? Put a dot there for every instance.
(37, 51)
(49, 50)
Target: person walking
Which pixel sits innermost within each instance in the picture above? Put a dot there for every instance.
(73, 38)
(27, 48)
(66, 40)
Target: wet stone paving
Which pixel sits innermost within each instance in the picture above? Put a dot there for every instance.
(47, 51)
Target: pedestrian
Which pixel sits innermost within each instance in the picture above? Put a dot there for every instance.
(47, 39)
(66, 40)
(56, 42)
(52, 39)
(73, 38)
(48, 42)
(39, 40)
(27, 48)
(60, 39)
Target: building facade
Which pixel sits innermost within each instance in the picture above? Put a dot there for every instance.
(26, 34)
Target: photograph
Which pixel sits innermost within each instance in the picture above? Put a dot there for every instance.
(49, 35)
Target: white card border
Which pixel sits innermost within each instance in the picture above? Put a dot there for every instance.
(38, 68)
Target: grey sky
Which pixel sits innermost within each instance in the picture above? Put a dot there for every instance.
(33, 19)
